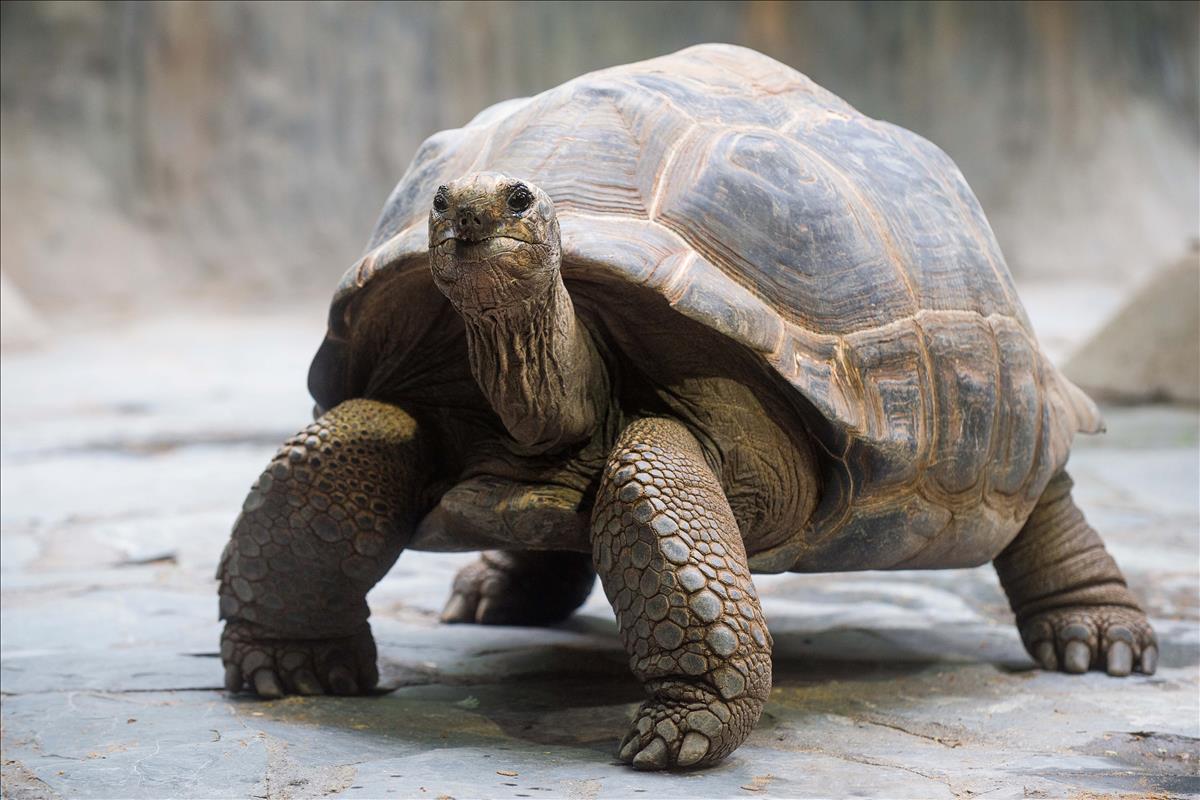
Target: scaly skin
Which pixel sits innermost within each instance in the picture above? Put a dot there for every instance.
(671, 559)
(323, 523)
(523, 587)
(1072, 606)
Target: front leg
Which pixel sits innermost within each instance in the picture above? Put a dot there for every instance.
(673, 565)
(322, 524)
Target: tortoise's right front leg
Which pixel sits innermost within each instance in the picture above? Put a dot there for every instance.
(322, 524)
(671, 558)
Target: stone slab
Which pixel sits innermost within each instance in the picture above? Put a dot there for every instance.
(117, 497)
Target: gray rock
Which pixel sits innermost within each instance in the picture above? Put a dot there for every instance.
(1150, 349)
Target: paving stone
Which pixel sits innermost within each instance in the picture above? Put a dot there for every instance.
(122, 475)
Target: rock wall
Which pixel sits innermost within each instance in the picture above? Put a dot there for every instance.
(153, 153)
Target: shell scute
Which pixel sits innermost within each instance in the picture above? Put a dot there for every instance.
(1018, 401)
(894, 403)
(964, 403)
(784, 225)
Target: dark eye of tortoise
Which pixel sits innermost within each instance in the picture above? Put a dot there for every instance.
(440, 201)
(520, 198)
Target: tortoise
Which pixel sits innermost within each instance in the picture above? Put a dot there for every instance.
(673, 323)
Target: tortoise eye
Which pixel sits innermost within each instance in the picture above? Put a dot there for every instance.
(520, 198)
(440, 200)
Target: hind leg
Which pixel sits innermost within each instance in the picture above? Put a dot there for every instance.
(1073, 608)
(523, 587)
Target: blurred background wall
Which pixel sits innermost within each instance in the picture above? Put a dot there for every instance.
(230, 152)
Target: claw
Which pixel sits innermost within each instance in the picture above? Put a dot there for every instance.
(1045, 655)
(1113, 639)
(457, 610)
(629, 746)
(266, 683)
(307, 683)
(341, 681)
(653, 756)
(1120, 659)
(487, 611)
(1077, 656)
(694, 747)
(1149, 659)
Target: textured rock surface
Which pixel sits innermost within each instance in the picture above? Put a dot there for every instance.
(127, 453)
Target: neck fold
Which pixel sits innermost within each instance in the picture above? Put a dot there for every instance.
(540, 370)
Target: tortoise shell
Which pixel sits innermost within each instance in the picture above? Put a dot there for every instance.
(846, 253)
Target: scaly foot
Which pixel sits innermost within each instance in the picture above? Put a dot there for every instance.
(275, 667)
(1116, 639)
(686, 725)
(671, 558)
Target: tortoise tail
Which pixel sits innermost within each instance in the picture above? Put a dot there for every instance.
(1084, 415)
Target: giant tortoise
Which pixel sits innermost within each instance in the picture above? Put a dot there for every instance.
(673, 322)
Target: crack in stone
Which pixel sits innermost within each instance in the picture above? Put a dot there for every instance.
(957, 792)
(884, 723)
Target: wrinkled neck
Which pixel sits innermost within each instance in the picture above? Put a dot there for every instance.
(540, 370)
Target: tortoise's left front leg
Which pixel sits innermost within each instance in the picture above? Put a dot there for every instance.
(670, 556)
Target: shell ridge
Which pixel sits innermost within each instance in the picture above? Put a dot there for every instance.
(930, 398)
(633, 136)
(1040, 441)
(664, 169)
(994, 439)
(832, 514)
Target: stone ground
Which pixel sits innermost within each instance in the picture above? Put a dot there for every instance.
(126, 453)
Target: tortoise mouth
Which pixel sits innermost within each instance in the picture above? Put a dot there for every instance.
(463, 243)
(482, 261)
(490, 249)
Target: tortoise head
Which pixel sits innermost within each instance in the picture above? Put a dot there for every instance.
(493, 243)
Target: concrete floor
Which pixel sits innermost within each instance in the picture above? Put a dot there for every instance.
(126, 454)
